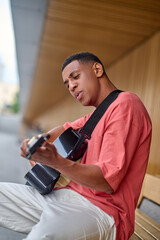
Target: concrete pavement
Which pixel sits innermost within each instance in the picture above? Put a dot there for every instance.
(12, 166)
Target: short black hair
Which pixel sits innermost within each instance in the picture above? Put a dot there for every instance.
(81, 57)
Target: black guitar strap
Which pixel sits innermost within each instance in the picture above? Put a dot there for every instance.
(89, 126)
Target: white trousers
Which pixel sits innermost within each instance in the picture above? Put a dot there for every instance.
(61, 215)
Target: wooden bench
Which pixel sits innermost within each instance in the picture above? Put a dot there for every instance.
(145, 227)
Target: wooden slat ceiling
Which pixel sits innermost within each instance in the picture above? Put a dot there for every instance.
(109, 29)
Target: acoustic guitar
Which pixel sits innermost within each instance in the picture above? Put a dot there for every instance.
(70, 144)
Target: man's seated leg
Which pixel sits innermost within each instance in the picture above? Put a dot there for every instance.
(20, 207)
(70, 216)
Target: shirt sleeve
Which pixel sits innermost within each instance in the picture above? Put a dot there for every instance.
(79, 123)
(119, 144)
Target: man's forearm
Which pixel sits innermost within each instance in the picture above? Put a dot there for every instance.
(89, 176)
(55, 132)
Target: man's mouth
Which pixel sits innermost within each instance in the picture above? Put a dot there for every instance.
(78, 95)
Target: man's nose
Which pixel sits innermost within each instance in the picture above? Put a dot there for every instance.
(72, 86)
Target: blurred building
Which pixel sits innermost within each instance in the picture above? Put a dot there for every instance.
(8, 92)
(124, 34)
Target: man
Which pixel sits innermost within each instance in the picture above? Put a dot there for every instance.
(100, 200)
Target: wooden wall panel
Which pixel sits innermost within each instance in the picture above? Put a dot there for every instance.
(66, 110)
(139, 72)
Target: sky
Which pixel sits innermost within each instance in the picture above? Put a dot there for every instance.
(8, 65)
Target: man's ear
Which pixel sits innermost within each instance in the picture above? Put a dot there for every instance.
(98, 69)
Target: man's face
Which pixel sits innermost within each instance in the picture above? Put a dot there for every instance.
(82, 82)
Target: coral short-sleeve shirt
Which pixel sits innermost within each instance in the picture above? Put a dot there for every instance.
(119, 146)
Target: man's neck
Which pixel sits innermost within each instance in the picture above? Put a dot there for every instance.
(106, 88)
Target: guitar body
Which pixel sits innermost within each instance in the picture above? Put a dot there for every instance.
(70, 144)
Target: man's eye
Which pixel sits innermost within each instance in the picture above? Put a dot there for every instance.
(76, 77)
